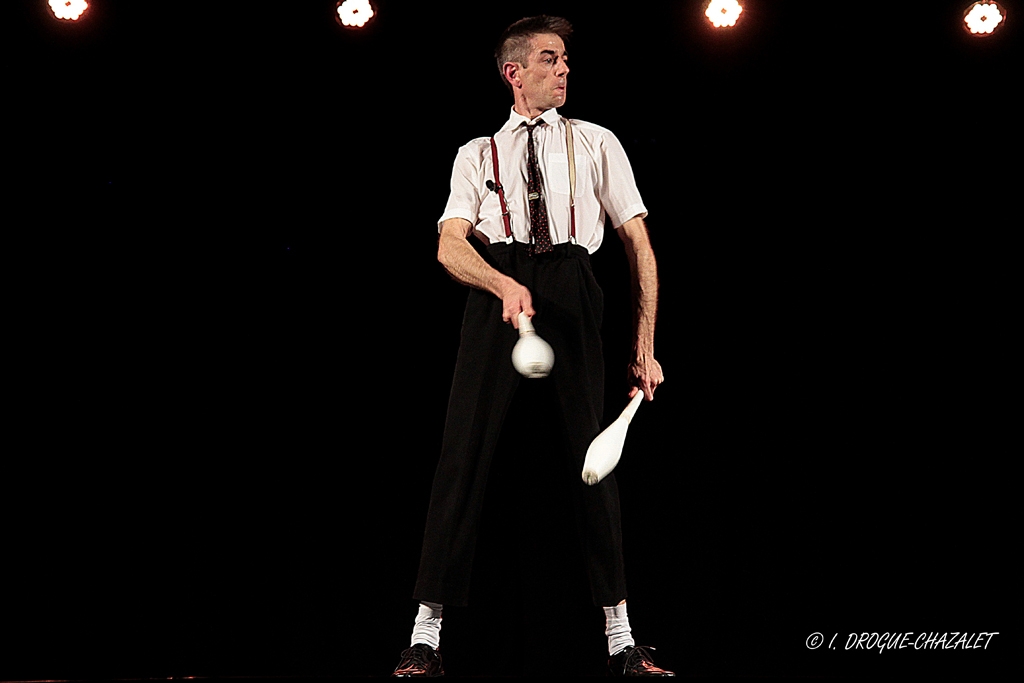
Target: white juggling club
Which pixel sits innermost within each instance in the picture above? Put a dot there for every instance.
(606, 448)
(532, 356)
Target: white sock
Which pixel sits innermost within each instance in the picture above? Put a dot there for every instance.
(617, 629)
(427, 628)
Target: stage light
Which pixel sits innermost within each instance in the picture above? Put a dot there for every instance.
(982, 18)
(68, 9)
(723, 12)
(354, 13)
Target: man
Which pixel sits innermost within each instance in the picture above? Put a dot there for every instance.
(537, 263)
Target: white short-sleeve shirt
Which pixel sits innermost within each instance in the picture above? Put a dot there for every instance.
(604, 181)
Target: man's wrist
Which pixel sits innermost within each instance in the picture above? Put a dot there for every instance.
(642, 352)
(504, 285)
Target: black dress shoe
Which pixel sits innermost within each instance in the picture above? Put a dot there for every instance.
(419, 660)
(635, 661)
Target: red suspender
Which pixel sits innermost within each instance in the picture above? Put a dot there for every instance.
(501, 194)
(506, 218)
(572, 224)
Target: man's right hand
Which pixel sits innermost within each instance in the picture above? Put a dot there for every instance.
(515, 298)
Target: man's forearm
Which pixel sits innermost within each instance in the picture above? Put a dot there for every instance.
(645, 301)
(464, 264)
(645, 371)
(644, 271)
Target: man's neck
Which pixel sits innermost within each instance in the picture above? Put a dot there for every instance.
(523, 109)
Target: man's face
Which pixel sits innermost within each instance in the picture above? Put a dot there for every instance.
(545, 72)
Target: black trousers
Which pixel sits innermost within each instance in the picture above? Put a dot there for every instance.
(569, 306)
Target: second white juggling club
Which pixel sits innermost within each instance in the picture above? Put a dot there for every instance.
(606, 448)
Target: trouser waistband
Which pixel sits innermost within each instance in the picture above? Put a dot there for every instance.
(559, 251)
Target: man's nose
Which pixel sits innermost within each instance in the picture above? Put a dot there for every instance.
(563, 67)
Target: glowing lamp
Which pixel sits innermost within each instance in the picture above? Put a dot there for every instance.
(68, 9)
(354, 13)
(982, 18)
(723, 12)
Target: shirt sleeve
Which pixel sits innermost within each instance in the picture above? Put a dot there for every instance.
(619, 194)
(467, 186)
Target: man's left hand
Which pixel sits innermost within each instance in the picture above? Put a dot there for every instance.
(645, 374)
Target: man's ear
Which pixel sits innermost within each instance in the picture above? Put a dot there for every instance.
(511, 71)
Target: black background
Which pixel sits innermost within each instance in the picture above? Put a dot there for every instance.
(231, 344)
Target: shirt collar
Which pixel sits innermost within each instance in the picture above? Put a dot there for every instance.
(516, 119)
